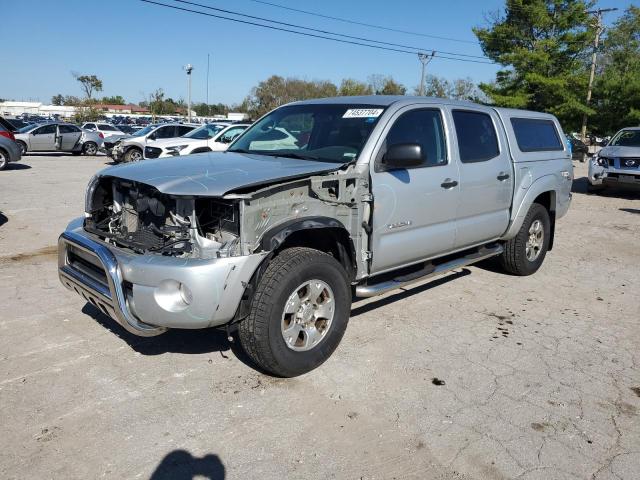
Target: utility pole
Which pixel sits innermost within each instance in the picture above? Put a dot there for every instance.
(594, 60)
(424, 58)
(189, 68)
(208, 109)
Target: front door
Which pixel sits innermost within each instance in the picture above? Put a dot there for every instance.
(43, 138)
(69, 136)
(486, 178)
(414, 209)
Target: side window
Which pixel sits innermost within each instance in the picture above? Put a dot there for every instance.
(183, 129)
(477, 139)
(68, 129)
(90, 126)
(230, 135)
(536, 135)
(106, 128)
(166, 132)
(45, 130)
(425, 128)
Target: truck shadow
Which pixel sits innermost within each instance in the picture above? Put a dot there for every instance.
(3, 219)
(404, 292)
(580, 185)
(188, 342)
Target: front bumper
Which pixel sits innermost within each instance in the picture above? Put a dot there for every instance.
(612, 176)
(141, 293)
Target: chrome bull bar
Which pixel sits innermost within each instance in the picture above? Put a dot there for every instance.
(109, 297)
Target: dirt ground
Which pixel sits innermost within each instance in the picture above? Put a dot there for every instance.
(476, 375)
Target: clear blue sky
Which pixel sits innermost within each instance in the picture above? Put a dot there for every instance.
(136, 47)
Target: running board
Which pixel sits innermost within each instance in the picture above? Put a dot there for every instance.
(372, 290)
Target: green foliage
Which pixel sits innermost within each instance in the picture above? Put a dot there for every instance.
(458, 89)
(385, 85)
(204, 110)
(57, 99)
(89, 84)
(114, 100)
(616, 93)
(351, 88)
(544, 46)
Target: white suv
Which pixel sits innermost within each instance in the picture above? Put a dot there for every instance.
(106, 129)
(210, 137)
(130, 149)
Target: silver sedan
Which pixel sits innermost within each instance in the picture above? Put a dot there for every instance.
(58, 137)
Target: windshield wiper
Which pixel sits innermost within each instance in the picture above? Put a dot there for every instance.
(296, 155)
(239, 150)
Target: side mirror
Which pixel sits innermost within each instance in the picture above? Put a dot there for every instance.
(403, 155)
(151, 136)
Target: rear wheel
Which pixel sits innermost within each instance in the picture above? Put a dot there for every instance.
(23, 147)
(133, 155)
(89, 148)
(524, 254)
(299, 312)
(4, 159)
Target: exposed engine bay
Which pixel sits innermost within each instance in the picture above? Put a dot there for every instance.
(138, 217)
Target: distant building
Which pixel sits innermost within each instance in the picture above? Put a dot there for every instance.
(35, 108)
(122, 109)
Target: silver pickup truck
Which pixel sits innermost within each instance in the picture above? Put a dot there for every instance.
(317, 202)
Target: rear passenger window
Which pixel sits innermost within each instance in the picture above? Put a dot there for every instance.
(536, 135)
(477, 139)
(182, 130)
(423, 127)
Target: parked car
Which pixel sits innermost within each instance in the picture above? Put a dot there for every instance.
(617, 164)
(9, 151)
(131, 149)
(579, 150)
(272, 241)
(7, 130)
(58, 136)
(106, 129)
(211, 137)
(17, 123)
(127, 129)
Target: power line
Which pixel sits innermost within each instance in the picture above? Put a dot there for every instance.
(326, 32)
(353, 22)
(307, 34)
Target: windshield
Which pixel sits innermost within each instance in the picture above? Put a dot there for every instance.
(204, 132)
(326, 132)
(626, 138)
(144, 131)
(28, 128)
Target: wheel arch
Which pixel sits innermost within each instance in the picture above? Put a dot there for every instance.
(200, 150)
(542, 191)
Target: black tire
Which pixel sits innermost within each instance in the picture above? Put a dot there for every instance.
(260, 333)
(23, 147)
(90, 148)
(4, 159)
(76, 153)
(133, 155)
(514, 259)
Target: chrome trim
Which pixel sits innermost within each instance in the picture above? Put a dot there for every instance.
(372, 290)
(111, 298)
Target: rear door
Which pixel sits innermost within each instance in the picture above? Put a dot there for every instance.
(414, 213)
(70, 134)
(43, 138)
(486, 177)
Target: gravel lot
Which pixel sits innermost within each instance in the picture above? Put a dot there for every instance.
(476, 375)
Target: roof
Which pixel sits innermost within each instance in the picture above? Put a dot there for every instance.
(21, 104)
(130, 106)
(381, 100)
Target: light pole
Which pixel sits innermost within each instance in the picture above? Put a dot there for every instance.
(189, 68)
(424, 58)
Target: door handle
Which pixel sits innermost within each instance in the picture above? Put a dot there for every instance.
(448, 183)
(502, 176)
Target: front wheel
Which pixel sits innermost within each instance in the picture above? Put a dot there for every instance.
(524, 253)
(4, 160)
(90, 148)
(133, 155)
(299, 312)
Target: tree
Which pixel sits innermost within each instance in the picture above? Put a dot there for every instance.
(543, 47)
(276, 91)
(156, 102)
(385, 85)
(350, 88)
(89, 84)
(57, 99)
(458, 89)
(114, 100)
(616, 92)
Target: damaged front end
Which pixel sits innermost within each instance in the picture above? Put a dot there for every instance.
(138, 217)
